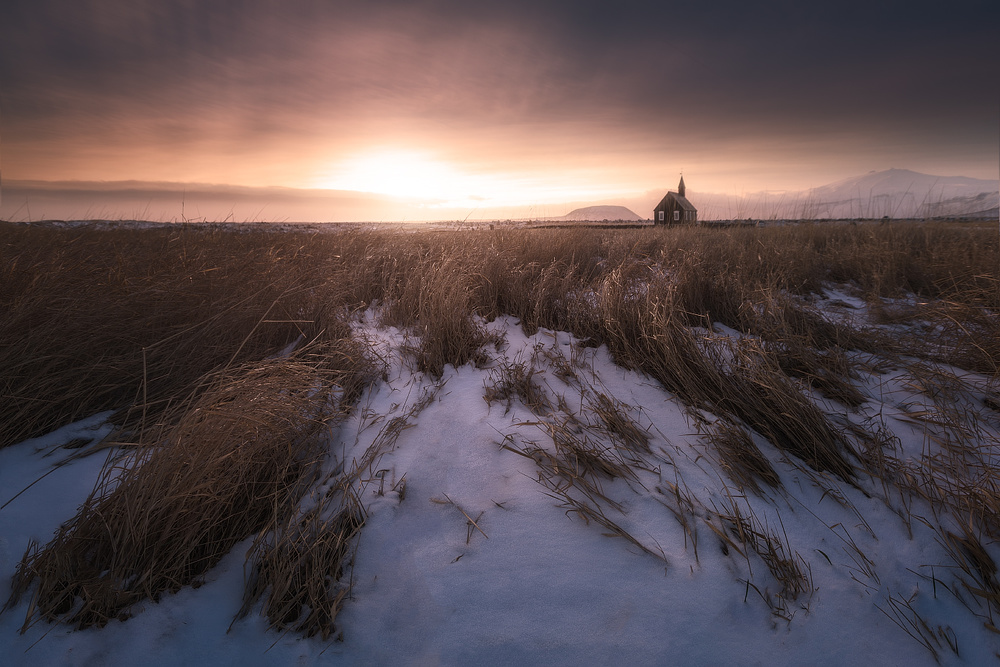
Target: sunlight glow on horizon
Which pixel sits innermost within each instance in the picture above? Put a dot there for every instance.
(420, 175)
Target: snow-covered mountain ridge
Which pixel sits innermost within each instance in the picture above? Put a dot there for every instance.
(893, 193)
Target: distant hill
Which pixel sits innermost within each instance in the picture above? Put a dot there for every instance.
(901, 193)
(982, 205)
(600, 213)
(893, 193)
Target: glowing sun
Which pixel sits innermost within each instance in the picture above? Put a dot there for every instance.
(434, 183)
(408, 174)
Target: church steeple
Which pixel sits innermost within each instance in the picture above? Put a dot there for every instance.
(680, 187)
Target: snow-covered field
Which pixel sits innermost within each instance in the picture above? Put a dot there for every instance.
(479, 549)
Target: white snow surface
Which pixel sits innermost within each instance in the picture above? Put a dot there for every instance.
(531, 582)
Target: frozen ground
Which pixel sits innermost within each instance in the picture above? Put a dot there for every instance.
(473, 553)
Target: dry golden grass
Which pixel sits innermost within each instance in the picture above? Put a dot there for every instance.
(299, 566)
(740, 457)
(574, 472)
(513, 379)
(437, 303)
(238, 453)
(741, 380)
(744, 532)
(174, 329)
(613, 419)
(762, 396)
(111, 320)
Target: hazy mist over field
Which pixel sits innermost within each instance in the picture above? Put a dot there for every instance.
(896, 193)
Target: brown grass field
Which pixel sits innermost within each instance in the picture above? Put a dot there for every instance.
(202, 336)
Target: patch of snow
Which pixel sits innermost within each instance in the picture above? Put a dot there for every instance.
(532, 582)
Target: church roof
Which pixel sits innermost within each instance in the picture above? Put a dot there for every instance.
(682, 202)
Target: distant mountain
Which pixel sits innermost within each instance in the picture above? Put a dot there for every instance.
(896, 193)
(900, 193)
(600, 213)
(982, 205)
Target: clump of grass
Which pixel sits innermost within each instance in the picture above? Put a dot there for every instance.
(902, 613)
(615, 421)
(539, 277)
(644, 331)
(968, 336)
(979, 568)
(962, 333)
(761, 395)
(703, 295)
(566, 369)
(877, 450)
(957, 473)
(579, 457)
(787, 567)
(740, 380)
(827, 371)
(514, 379)
(935, 260)
(241, 449)
(438, 304)
(588, 510)
(779, 317)
(300, 565)
(574, 474)
(685, 506)
(740, 457)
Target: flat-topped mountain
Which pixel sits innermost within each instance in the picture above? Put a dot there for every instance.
(601, 213)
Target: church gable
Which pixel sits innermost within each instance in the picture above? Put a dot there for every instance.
(675, 209)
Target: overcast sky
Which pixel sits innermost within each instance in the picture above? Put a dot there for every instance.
(491, 102)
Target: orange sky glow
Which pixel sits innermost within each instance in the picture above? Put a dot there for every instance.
(447, 110)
